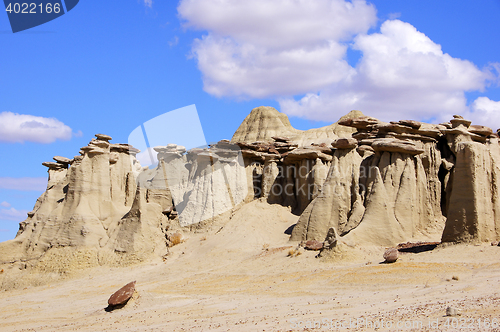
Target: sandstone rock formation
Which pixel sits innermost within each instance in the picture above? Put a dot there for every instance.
(360, 181)
(81, 202)
(107, 203)
(263, 123)
(287, 166)
(406, 178)
(473, 201)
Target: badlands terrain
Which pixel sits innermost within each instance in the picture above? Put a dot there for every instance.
(241, 279)
(216, 239)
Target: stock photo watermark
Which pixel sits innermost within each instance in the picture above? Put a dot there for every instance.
(307, 171)
(24, 15)
(416, 324)
(175, 157)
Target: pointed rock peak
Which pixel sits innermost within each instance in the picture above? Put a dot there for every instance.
(262, 124)
(266, 124)
(351, 115)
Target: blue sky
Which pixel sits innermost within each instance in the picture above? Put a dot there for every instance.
(108, 68)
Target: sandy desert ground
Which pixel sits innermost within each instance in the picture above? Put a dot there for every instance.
(239, 278)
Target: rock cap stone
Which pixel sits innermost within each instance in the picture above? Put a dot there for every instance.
(62, 160)
(481, 130)
(124, 148)
(91, 149)
(459, 120)
(100, 143)
(396, 145)
(311, 152)
(54, 166)
(122, 295)
(362, 122)
(103, 137)
(345, 143)
(410, 123)
(281, 139)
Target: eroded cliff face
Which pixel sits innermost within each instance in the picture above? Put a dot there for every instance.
(84, 196)
(264, 122)
(285, 174)
(405, 180)
(287, 166)
(472, 188)
(104, 203)
(360, 180)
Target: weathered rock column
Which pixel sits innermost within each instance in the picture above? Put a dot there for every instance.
(473, 207)
(338, 205)
(269, 176)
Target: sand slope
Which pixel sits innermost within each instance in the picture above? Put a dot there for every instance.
(239, 278)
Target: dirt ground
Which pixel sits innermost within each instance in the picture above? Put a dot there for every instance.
(242, 279)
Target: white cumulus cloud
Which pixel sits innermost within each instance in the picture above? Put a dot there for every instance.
(401, 72)
(485, 111)
(23, 184)
(148, 3)
(265, 48)
(286, 48)
(19, 128)
(5, 204)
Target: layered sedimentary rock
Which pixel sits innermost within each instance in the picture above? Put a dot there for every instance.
(339, 201)
(81, 202)
(287, 166)
(106, 201)
(216, 183)
(263, 123)
(360, 180)
(285, 174)
(406, 178)
(473, 200)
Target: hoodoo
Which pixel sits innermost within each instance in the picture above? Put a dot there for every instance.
(360, 181)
